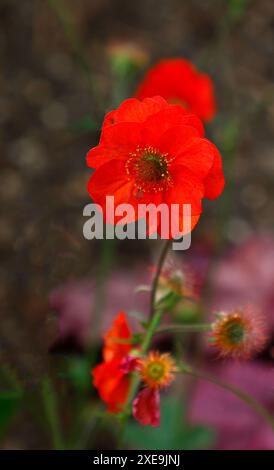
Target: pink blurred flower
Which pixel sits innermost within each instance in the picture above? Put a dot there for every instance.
(237, 425)
(74, 303)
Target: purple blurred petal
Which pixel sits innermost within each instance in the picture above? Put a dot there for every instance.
(238, 426)
(246, 275)
(74, 304)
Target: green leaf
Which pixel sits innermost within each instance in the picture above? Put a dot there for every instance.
(9, 405)
(174, 433)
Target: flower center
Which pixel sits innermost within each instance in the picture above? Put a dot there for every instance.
(235, 331)
(150, 169)
(156, 370)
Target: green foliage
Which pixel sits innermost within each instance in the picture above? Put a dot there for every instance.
(51, 412)
(9, 405)
(227, 133)
(230, 136)
(237, 9)
(78, 371)
(84, 125)
(11, 395)
(173, 433)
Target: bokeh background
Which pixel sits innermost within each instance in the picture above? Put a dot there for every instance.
(59, 75)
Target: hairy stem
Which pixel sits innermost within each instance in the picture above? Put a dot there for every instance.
(192, 328)
(157, 275)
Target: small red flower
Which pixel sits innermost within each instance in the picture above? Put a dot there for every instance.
(154, 152)
(111, 376)
(157, 372)
(146, 407)
(112, 380)
(178, 81)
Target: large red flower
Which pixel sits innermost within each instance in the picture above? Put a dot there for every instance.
(178, 81)
(111, 376)
(154, 152)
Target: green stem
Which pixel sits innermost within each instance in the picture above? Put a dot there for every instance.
(107, 256)
(51, 412)
(245, 397)
(193, 328)
(157, 275)
(135, 381)
(146, 343)
(155, 319)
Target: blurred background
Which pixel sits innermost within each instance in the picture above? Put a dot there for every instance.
(63, 65)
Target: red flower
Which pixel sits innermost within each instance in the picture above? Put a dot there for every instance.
(157, 372)
(154, 152)
(110, 377)
(146, 407)
(178, 81)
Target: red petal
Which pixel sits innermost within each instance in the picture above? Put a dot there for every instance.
(102, 182)
(214, 182)
(198, 156)
(112, 384)
(187, 189)
(173, 116)
(100, 155)
(146, 407)
(133, 110)
(130, 364)
(175, 140)
(122, 135)
(119, 330)
(109, 119)
(116, 142)
(204, 103)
